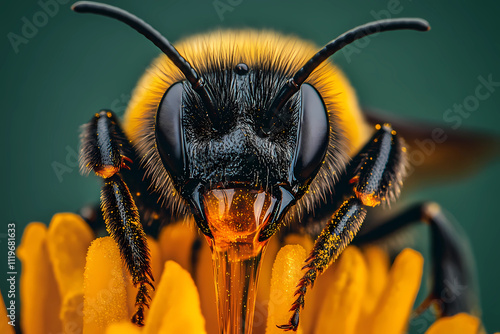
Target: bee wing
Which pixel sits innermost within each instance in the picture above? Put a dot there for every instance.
(437, 152)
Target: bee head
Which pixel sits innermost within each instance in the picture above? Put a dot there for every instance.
(241, 149)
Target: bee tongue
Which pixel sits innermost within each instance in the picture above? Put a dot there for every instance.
(235, 218)
(236, 215)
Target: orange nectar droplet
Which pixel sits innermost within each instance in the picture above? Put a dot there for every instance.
(235, 217)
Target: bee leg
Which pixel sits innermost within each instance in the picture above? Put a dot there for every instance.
(103, 149)
(453, 280)
(376, 174)
(334, 238)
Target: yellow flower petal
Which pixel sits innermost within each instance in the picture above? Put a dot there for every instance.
(342, 305)
(309, 314)
(156, 268)
(395, 303)
(314, 300)
(377, 261)
(105, 297)
(72, 312)
(264, 286)
(176, 307)
(156, 258)
(297, 239)
(286, 274)
(175, 242)
(4, 324)
(125, 327)
(461, 323)
(40, 299)
(68, 239)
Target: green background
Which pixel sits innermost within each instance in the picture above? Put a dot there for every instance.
(76, 65)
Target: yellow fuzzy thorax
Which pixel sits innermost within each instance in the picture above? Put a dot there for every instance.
(225, 49)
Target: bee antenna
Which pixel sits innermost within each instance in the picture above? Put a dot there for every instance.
(293, 84)
(160, 41)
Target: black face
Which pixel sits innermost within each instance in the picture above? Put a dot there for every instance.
(237, 150)
(242, 150)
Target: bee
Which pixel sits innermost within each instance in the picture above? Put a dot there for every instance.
(262, 122)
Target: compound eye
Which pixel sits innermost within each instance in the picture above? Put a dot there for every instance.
(312, 136)
(169, 131)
